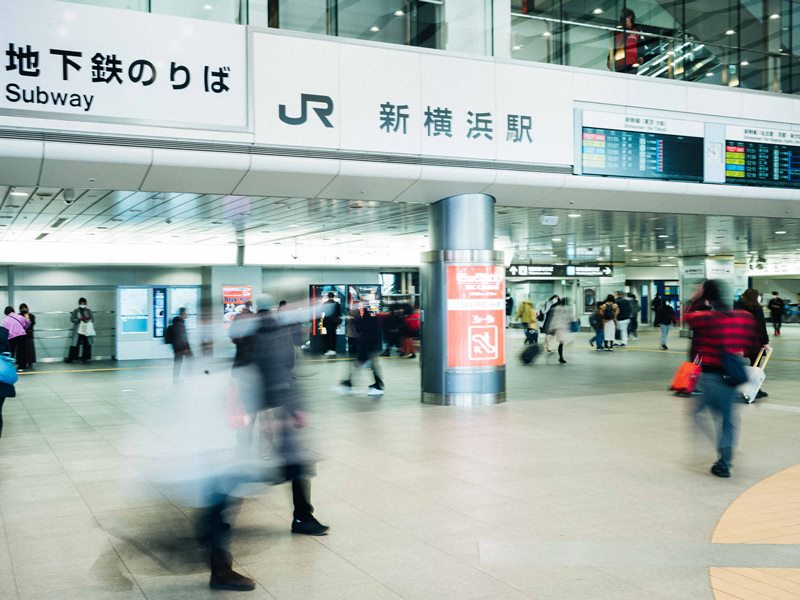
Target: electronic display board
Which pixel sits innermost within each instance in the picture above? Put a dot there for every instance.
(622, 145)
(763, 157)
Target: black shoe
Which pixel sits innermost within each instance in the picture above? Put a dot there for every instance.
(720, 469)
(412, 356)
(663, 347)
(591, 343)
(309, 527)
(761, 394)
(386, 353)
(562, 361)
(67, 360)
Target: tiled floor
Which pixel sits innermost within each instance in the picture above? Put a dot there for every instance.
(588, 484)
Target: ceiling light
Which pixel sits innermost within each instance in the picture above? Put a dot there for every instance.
(635, 259)
(628, 250)
(20, 194)
(597, 11)
(296, 225)
(779, 232)
(399, 13)
(573, 215)
(559, 239)
(517, 48)
(635, 65)
(709, 74)
(711, 254)
(663, 236)
(671, 257)
(547, 34)
(774, 17)
(744, 63)
(621, 245)
(670, 247)
(208, 7)
(730, 32)
(374, 29)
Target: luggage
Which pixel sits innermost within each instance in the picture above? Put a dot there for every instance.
(530, 353)
(685, 378)
(755, 376)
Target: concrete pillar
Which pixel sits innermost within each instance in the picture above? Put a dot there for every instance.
(463, 301)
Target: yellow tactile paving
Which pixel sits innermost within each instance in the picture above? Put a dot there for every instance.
(767, 513)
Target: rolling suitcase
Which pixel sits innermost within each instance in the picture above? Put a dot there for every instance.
(755, 376)
(530, 353)
(685, 378)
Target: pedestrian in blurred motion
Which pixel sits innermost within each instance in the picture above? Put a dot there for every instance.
(17, 327)
(665, 316)
(546, 316)
(509, 308)
(719, 335)
(350, 329)
(623, 318)
(26, 347)
(270, 353)
(411, 327)
(776, 307)
(7, 390)
(751, 302)
(559, 325)
(394, 328)
(609, 312)
(633, 326)
(369, 347)
(243, 326)
(177, 336)
(331, 319)
(83, 332)
(596, 323)
(527, 316)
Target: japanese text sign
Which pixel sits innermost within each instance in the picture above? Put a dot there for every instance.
(71, 61)
(475, 315)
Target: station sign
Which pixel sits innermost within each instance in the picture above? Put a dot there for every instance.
(475, 316)
(517, 270)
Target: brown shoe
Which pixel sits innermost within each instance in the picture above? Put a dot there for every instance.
(223, 577)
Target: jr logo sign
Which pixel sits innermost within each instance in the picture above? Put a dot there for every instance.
(305, 99)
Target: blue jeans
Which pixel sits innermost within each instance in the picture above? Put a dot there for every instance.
(599, 337)
(664, 334)
(719, 398)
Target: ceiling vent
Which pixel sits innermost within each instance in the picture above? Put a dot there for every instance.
(41, 236)
(59, 222)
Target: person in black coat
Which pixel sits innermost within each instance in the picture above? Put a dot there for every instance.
(180, 343)
(369, 348)
(751, 304)
(6, 390)
(26, 347)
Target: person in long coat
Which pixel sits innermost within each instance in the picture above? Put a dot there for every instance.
(82, 314)
(26, 347)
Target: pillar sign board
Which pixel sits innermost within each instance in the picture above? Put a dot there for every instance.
(475, 315)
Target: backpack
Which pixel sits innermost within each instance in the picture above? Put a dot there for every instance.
(608, 312)
(169, 334)
(594, 321)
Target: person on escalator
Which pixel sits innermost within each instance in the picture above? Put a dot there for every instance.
(625, 55)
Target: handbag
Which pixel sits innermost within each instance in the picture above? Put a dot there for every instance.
(86, 328)
(8, 372)
(733, 365)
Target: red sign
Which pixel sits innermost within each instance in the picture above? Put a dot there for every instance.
(475, 316)
(234, 299)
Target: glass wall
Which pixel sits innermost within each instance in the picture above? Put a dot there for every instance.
(752, 44)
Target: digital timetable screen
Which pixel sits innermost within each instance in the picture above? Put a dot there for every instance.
(763, 164)
(641, 154)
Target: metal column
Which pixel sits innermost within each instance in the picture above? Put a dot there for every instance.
(463, 300)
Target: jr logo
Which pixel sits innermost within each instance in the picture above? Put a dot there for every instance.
(305, 100)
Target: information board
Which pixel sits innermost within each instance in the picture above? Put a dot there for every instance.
(622, 145)
(517, 270)
(475, 315)
(763, 157)
(159, 311)
(133, 310)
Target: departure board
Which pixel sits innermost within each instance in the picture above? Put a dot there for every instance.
(641, 154)
(763, 164)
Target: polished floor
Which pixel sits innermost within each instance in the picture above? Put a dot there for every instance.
(589, 484)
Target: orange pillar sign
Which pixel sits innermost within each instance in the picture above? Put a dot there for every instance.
(475, 316)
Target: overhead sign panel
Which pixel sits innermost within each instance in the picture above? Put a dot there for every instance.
(624, 145)
(763, 157)
(517, 270)
(68, 61)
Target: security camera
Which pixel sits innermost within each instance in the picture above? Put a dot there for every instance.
(69, 196)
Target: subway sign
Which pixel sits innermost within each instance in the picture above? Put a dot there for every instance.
(560, 271)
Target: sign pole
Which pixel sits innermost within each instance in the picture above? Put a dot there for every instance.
(463, 302)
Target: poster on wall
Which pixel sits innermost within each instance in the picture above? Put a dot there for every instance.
(133, 310)
(234, 300)
(159, 312)
(475, 315)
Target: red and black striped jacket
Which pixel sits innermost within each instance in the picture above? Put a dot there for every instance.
(716, 331)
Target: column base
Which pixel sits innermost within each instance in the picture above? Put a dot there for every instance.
(463, 399)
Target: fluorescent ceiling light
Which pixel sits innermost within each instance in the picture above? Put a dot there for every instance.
(730, 32)
(21, 194)
(621, 245)
(774, 17)
(597, 11)
(573, 215)
(663, 236)
(547, 34)
(628, 250)
(744, 63)
(399, 13)
(709, 74)
(779, 232)
(670, 247)
(559, 239)
(635, 259)
(208, 7)
(374, 29)
(517, 48)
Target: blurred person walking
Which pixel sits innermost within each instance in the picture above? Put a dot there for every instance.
(7, 390)
(331, 319)
(718, 335)
(547, 318)
(177, 336)
(17, 327)
(609, 313)
(596, 323)
(83, 332)
(559, 325)
(751, 302)
(509, 308)
(350, 329)
(527, 316)
(633, 326)
(624, 313)
(664, 318)
(369, 350)
(412, 328)
(776, 307)
(26, 347)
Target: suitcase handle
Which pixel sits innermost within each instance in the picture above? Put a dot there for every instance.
(764, 354)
